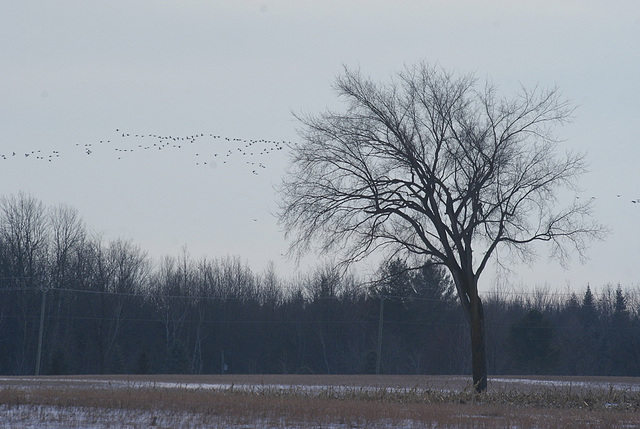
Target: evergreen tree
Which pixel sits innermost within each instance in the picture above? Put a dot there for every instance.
(589, 311)
(178, 359)
(621, 355)
(620, 311)
(59, 364)
(143, 365)
(117, 364)
(531, 344)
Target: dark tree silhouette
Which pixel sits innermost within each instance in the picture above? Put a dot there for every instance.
(429, 165)
(531, 343)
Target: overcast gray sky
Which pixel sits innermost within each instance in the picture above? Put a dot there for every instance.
(73, 72)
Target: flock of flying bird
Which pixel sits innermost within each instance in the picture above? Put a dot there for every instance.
(247, 148)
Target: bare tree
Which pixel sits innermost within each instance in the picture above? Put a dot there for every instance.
(24, 230)
(433, 165)
(24, 235)
(66, 244)
(68, 234)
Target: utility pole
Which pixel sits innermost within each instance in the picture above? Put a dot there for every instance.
(41, 332)
(380, 325)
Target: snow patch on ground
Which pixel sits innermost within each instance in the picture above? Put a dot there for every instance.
(305, 389)
(50, 417)
(593, 385)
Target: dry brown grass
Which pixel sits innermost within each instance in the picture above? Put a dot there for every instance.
(287, 401)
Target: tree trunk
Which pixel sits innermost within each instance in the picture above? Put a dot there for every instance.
(478, 351)
(472, 305)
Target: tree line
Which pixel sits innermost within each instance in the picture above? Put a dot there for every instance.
(73, 303)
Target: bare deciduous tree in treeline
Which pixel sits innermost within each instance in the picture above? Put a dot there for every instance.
(433, 165)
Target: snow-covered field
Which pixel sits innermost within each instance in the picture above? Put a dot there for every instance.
(315, 383)
(36, 417)
(290, 401)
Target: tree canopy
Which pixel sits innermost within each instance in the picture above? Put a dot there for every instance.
(430, 164)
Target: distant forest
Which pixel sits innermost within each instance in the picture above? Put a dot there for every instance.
(72, 304)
